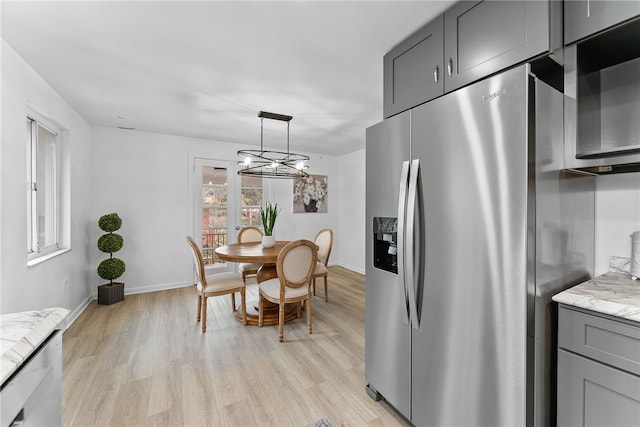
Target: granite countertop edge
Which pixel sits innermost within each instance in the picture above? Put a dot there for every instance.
(22, 333)
(611, 293)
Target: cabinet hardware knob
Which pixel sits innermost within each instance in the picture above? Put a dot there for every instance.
(450, 67)
(436, 74)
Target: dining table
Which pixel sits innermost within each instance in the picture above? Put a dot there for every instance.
(254, 252)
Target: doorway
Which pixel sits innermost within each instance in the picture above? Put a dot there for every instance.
(223, 203)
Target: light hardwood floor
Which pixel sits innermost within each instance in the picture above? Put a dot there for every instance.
(145, 361)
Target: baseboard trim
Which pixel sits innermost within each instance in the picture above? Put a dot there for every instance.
(152, 288)
(352, 268)
(73, 315)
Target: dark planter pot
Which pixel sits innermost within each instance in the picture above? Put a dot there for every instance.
(110, 293)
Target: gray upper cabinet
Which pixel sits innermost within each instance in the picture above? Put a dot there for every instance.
(484, 37)
(413, 69)
(472, 40)
(587, 17)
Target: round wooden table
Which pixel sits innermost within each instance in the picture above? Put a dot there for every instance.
(253, 252)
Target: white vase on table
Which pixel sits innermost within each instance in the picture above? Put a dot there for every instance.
(268, 241)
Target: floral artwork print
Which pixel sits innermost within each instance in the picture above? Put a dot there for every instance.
(310, 194)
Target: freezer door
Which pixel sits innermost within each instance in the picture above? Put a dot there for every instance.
(387, 337)
(469, 353)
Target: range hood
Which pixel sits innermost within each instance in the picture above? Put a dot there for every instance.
(602, 102)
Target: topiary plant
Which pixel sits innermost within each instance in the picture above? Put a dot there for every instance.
(112, 268)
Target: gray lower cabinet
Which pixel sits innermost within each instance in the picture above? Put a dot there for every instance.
(413, 70)
(33, 395)
(583, 18)
(598, 370)
(484, 37)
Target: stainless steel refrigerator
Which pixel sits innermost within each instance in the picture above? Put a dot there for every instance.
(472, 226)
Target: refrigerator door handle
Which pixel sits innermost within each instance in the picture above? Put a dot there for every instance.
(402, 212)
(410, 242)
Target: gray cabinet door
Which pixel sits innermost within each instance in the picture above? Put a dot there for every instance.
(413, 69)
(484, 37)
(594, 394)
(586, 17)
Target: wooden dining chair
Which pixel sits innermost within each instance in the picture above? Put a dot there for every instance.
(295, 265)
(324, 240)
(249, 234)
(215, 285)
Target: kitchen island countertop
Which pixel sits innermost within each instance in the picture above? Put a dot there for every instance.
(22, 333)
(611, 293)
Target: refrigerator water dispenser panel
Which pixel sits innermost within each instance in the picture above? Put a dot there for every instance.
(385, 249)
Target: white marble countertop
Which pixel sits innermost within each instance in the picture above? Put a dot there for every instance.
(612, 293)
(22, 333)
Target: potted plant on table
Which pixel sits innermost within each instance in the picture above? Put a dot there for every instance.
(268, 216)
(111, 268)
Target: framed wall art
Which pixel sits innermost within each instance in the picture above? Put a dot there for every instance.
(310, 194)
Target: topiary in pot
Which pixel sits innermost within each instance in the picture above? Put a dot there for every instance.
(112, 268)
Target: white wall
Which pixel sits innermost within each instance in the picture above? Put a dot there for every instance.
(352, 211)
(144, 177)
(617, 216)
(292, 226)
(61, 281)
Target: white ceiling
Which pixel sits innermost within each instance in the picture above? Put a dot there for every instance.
(205, 69)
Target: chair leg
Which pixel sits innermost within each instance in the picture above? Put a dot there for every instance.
(299, 309)
(326, 292)
(199, 307)
(243, 299)
(281, 322)
(233, 301)
(309, 315)
(204, 314)
(313, 285)
(260, 310)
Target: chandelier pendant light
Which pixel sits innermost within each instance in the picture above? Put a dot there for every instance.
(272, 164)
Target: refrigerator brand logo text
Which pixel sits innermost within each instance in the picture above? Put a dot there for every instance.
(494, 95)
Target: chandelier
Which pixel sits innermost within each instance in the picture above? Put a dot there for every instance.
(272, 164)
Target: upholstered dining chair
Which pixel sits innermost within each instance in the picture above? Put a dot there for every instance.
(295, 265)
(249, 234)
(215, 285)
(324, 240)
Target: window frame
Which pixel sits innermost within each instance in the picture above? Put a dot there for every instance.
(35, 250)
(251, 208)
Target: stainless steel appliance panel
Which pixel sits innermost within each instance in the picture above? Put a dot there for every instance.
(469, 353)
(387, 337)
(564, 244)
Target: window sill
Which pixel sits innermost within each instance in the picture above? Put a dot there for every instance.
(43, 258)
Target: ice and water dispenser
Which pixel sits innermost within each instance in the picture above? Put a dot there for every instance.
(385, 249)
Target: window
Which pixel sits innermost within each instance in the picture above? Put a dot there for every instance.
(215, 220)
(43, 187)
(223, 202)
(251, 200)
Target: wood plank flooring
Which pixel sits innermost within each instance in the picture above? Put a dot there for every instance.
(145, 361)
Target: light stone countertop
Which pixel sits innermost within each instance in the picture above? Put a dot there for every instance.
(612, 293)
(22, 333)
